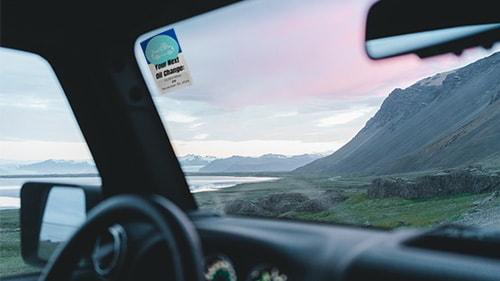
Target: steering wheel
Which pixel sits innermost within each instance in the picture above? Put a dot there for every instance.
(173, 225)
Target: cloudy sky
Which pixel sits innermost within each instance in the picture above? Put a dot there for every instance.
(35, 119)
(282, 76)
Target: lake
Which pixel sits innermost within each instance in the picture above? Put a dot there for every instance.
(10, 187)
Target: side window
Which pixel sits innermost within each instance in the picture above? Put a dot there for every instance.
(39, 141)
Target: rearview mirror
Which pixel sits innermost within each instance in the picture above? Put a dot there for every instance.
(50, 214)
(429, 28)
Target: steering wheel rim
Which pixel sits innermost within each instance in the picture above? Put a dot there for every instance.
(174, 226)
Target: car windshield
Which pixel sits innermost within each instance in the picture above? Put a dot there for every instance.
(274, 109)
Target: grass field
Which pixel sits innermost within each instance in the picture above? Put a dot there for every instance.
(10, 250)
(250, 191)
(358, 208)
(397, 212)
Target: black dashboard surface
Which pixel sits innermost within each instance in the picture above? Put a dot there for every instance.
(308, 251)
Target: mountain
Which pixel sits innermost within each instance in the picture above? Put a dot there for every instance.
(9, 167)
(196, 160)
(193, 163)
(57, 167)
(449, 120)
(264, 163)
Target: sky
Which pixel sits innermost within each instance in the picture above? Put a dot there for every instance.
(286, 77)
(36, 122)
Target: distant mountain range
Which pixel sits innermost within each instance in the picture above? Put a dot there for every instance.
(48, 167)
(449, 120)
(264, 163)
(189, 163)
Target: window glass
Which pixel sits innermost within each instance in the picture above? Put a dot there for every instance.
(39, 141)
(286, 116)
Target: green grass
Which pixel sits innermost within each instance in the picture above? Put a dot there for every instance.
(10, 245)
(9, 219)
(393, 212)
(358, 209)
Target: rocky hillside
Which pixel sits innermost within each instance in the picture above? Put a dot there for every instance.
(449, 120)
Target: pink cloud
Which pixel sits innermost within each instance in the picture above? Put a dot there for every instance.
(300, 54)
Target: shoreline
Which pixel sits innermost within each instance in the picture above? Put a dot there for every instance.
(192, 174)
(20, 176)
(10, 198)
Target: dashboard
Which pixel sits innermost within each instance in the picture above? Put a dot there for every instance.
(136, 250)
(270, 249)
(259, 249)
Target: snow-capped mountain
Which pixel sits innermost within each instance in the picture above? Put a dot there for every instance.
(193, 163)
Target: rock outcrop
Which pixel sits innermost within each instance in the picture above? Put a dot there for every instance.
(280, 203)
(471, 180)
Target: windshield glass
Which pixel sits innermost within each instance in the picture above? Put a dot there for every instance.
(275, 110)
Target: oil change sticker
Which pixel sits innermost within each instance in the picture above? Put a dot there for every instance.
(166, 61)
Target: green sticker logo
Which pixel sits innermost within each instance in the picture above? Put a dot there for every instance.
(161, 49)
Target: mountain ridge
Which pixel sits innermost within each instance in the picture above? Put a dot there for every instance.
(190, 163)
(264, 163)
(460, 105)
